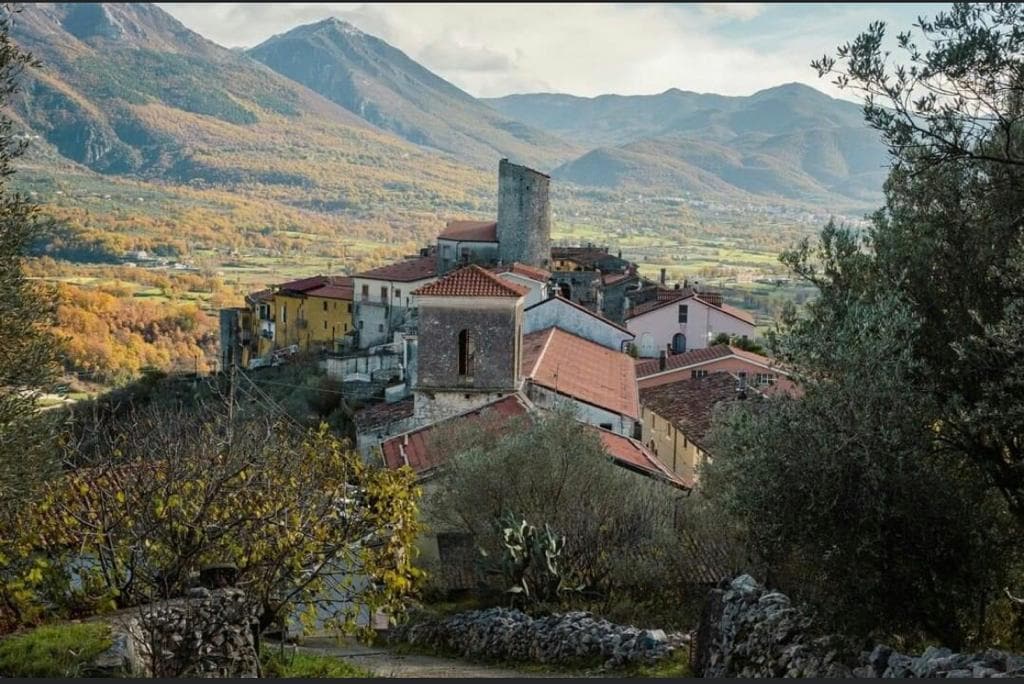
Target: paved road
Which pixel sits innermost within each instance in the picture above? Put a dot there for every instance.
(386, 663)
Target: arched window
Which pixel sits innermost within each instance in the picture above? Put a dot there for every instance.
(678, 343)
(467, 353)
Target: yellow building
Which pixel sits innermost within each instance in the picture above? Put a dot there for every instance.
(677, 418)
(312, 313)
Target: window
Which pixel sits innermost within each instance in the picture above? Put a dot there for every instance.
(384, 293)
(380, 327)
(467, 353)
(350, 307)
(284, 313)
(765, 379)
(366, 292)
(698, 374)
(360, 325)
(683, 312)
(606, 426)
(325, 306)
(398, 294)
(325, 325)
(742, 375)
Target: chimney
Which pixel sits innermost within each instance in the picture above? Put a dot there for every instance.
(620, 253)
(662, 279)
(663, 360)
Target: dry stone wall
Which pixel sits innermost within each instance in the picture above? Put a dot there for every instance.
(569, 638)
(749, 631)
(207, 634)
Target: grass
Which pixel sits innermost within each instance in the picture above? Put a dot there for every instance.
(303, 666)
(53, 650)
(674, 667)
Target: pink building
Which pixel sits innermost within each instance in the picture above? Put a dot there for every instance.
(689, 321)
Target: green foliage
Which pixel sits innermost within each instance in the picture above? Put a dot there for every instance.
(57, 651)
(910, 424)
(163, 492)
(529, 562)
(858, 446)
(622, 547)
(278, 665)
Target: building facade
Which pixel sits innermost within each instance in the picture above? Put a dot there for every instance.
(687, 322)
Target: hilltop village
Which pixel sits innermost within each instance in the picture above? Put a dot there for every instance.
(493, 318)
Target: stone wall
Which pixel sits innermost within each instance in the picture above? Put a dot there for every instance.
(208, 634)
(569, 638)
(749, 631)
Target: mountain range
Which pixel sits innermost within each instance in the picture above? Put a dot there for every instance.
(327, 118)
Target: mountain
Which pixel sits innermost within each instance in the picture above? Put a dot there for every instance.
(384, 86)
(790, 141)
(126, 90)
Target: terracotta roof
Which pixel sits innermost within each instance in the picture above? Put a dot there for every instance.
(594, 314)
(408, 270)
(337, 288)
(632, 454)
(470, 231)
(471, 281)
(533, 272)
(261, 296)
(382, 414)
(304, 284)
(645, 367)
(667, 299)
(736, 312)
(689, 404)
(413, 448)
(579, 368)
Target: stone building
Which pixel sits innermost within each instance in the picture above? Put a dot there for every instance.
(524, 215)
(469, 339)
(467, 242)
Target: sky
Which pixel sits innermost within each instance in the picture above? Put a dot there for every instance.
(491, 50)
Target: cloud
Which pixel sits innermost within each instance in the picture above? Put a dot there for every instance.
(447, 55)
(742, 11)
(582, 49)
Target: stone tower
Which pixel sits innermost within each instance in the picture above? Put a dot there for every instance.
(469, 343)
(524, 215)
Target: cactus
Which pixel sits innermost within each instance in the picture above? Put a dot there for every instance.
(530, 560)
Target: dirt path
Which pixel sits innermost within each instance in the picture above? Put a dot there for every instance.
(385, 663)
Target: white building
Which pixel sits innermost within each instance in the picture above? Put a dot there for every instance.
(690, 321)
(383, 297)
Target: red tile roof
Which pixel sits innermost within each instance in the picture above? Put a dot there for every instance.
(413, 448)
(532, 272)
(382, 414)
(406, 271)
(594, 314)
(665, 298)
(337, 288)
(694, 357)
(261, 296)
(632, 454)
(470, 231)
(304, 284)
(471, 281)
(689, 404)
(581, 369)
